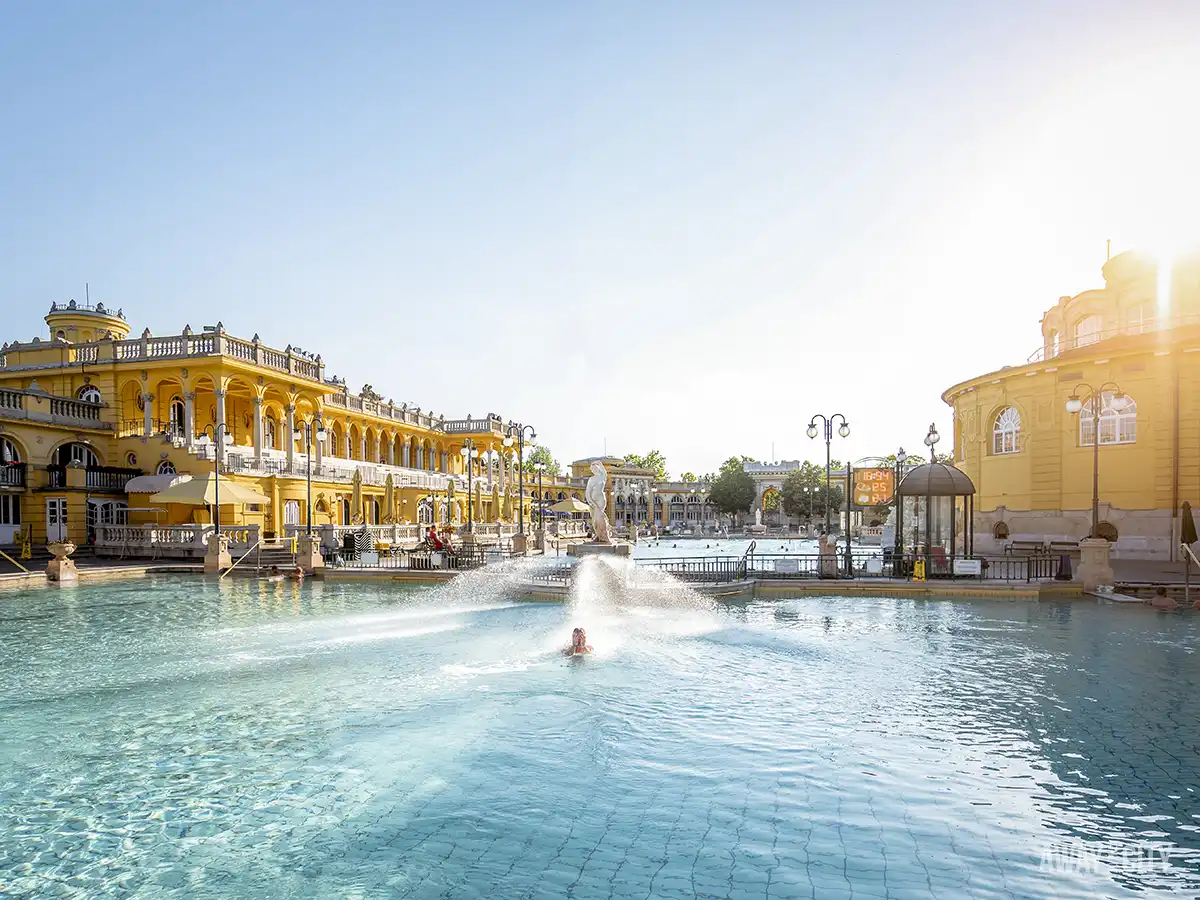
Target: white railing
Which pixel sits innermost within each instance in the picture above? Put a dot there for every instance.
(178, 541)
(567, 528)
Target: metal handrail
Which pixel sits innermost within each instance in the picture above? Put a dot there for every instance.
(15, 563)
(253, 547)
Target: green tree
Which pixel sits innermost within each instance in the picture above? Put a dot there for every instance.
(653, 460)
(732, 490)
(805, 494)
(687, 476)
(536, 453)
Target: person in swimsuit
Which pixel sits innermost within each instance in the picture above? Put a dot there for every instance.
(579, 643)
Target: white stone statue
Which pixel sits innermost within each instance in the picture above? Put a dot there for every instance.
(758, 516)
(594, 492)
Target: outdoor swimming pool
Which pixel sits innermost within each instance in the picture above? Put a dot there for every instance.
(176, 738)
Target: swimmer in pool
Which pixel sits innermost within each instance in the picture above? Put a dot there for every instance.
(579, 644)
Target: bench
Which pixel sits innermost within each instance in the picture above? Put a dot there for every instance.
(1058, 547)
(1028, 548)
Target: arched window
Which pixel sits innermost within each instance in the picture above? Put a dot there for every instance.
(1000, 531)
(1006, 432)
(1117, 425)
(89, 393)
(166, 467)
(424, 513)
(270, 430)
(76, 453)
(375, 512)
(9, 452)
(176, 417)
(1087, 330)
(344, 505)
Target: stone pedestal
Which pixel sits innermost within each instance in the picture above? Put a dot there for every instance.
(539, 540)
(308, 553)
(1094, 569)
(216, 559)
(60, 568)
(520, 544)
(591, 548)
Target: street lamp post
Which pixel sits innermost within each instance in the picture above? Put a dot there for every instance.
(518, 430)
(652, 512)
(304, 431)
(844, 431)
(931, 440)
(212, 434)
(470, 453)
(901, 459)
(1119, 401)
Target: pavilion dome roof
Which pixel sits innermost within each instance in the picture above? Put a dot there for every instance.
(935, 480)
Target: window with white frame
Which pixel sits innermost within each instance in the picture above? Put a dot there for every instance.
(1118, 420)
(9, 452)
(1006, 432)
(89, 393)
(166, 467)
(1140, 317)
(269, 433)
(1087, 330)
(10, 509)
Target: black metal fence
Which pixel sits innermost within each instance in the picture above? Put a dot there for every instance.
(416, 559)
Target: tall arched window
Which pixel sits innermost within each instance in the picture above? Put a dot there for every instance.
(344, 505)
(270, 431)
(424, 513)
(166, 467)
(1118, 420)
(177, 417)
(89, 393)
(1087, 330)
(1006, 432)
(76, 453)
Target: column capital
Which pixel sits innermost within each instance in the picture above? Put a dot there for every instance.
(258, 402)
(288, 407)
(190, 396)
(219, 392)
(148, 398)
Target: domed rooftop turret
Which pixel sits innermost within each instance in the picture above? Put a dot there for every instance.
(78, 323)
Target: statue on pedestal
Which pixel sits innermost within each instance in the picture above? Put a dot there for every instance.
(598, 504)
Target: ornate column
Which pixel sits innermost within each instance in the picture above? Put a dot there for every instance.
(147, 414)
(219, 395)
(405, 456)
(378, 449)
(290, 409)
(317, 445)
(503, 466)
(349, 445)
(258, 431)
(189, 419)
(391, 453)
(362, 446)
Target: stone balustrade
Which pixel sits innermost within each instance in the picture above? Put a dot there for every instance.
(168, 541)
(38, 406)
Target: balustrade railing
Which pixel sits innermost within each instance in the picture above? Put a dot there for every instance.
(60, 410)
(12, 474)
(182, 541)
(56, 476)
(108, 478)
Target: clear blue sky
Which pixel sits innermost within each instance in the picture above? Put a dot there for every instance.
(685, 226)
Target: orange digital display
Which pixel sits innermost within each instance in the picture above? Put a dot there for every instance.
(873, 487)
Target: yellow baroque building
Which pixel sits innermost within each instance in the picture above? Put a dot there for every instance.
(1135, 343)
(93, 421)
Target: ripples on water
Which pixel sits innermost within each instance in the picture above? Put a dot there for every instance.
(184, 739)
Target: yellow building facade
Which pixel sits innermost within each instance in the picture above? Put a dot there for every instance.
(88, 408)
(1132, 348)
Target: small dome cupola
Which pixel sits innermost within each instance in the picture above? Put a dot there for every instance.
(79, 323)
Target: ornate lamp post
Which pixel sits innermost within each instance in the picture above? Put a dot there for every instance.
(931, 440)
(304, 431)
(844, 431)
(653, 513)
(1119, 401)
(470, 453)
(517, 430)
(211, 434)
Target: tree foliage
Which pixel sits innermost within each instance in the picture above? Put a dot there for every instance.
(653, 460)
(537, 453)
(687, 476)
(732, 490)
(805, 494)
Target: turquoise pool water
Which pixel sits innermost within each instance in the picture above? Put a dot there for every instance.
(179, 739)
